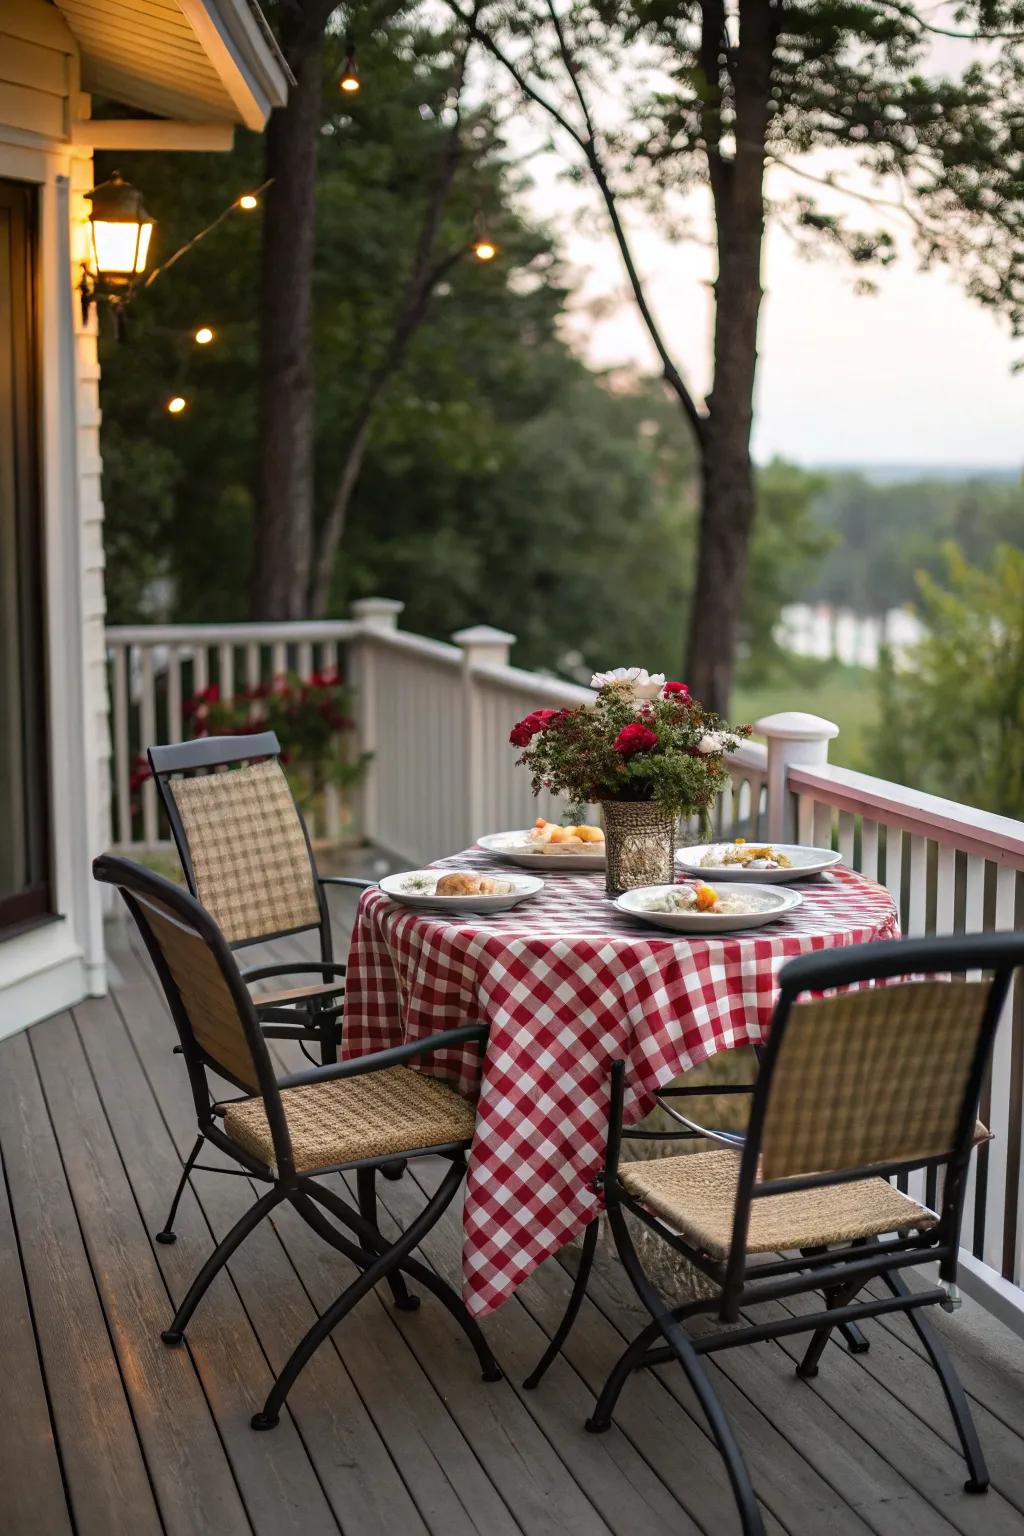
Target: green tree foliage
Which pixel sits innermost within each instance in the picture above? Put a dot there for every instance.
(881, 536)
(953, 717)
(503, 480)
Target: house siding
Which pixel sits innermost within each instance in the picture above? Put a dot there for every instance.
(60, 962)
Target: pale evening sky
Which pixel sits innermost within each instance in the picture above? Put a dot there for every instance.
(917, 374)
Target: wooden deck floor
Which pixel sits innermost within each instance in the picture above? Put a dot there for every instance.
(390, 1432)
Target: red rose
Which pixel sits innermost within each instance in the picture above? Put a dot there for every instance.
(676, 691)
(635, 738)
(537, 720)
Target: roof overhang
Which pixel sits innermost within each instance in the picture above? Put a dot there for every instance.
(200, 61)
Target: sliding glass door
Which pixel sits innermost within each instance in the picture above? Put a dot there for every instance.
(25, 894)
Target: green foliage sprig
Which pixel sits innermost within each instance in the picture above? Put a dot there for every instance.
(665, 748)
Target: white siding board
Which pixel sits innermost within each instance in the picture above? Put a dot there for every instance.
(29, 64)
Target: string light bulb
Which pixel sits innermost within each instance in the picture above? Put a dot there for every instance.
(176, 404)
(484, 250)
(349, 81)
(248, 200)
(203, 336)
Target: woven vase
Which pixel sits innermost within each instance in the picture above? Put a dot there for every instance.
(640, 840)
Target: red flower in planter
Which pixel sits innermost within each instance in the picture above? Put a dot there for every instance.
(538, 720)
(633, 739)
(676, 691)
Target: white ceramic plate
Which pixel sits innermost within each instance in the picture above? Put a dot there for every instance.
(767, 903)
(514, 848)
(415, 888)
(804, 862)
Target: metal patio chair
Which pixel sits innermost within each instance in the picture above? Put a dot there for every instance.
(246, 855)
(288, 1132)
(855, 1089)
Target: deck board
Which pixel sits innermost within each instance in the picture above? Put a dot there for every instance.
(390, 1428)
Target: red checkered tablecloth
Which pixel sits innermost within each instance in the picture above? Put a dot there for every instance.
(568, 984)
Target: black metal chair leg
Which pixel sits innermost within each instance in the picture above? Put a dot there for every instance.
(328, 1321)
(366, 1189)
(423, 1276)
(632, 1357)
(166, 1234)
(218, 1258)
(677, 1341)
(855, 1341)
(579, 1290)
(956, 1397)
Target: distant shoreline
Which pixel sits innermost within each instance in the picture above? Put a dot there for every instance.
(897, 474)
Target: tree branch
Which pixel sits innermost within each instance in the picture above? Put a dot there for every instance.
(587, 144)
(912, 14)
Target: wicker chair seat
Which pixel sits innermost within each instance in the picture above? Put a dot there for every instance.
(696, 1195)
(379, 1114)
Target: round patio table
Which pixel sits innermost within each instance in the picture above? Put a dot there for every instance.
(568, 984)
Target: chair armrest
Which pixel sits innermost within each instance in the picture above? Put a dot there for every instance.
(377, 1061)
(294, 968)
(704, 1090)
(358, 885)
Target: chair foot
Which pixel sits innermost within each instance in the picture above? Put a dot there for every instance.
(973, 1486)
(597, 1426)
(493, 1373)
(407, 1303)
(855, 1341)
(394, 1171)
(806, 1372)
(166, 1237)
(170, 1337)
(264, 1421)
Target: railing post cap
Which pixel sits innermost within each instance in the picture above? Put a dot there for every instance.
(794, 725)
(377, 612)
(483, 634)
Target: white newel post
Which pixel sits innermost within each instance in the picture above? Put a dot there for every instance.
(481, 646)
(792, 737)
(374, 615)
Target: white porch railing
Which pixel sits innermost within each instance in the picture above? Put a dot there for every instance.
(436, 718)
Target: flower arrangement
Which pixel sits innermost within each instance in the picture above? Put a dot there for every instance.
(312, 719)
(642, 739)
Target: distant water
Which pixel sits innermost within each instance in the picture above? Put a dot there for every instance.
(902, 474)
(839, 634)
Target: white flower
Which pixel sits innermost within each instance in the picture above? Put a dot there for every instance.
(711, 741)
(635, 680)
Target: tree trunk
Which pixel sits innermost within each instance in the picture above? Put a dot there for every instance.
(334, 529)
(728, 499)
(283, 525)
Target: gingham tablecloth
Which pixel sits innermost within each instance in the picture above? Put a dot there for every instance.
(568, 984)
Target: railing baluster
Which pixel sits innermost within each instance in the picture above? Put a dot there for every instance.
(894, 865)
(974, 922)
(122, 749)
(846, 833)
(869, 848)
(917, 896)
(175, 720)
(226, 667)
(147, 737)
(822, 825)
(998, 1237)
(805, 820)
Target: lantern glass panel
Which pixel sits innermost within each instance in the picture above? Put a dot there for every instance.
(120, 248)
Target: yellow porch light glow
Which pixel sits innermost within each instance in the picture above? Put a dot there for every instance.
(485, 250)
(176, 404)
(248, 200)
(349, 80)
(203, 336)
(121, 232)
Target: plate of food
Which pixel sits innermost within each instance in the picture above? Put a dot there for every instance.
(454, 890)
(701, 908)
(548, 845)
(764, 863)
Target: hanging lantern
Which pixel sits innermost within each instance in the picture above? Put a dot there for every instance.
(484, 248)
(349, 81)
(120, 233)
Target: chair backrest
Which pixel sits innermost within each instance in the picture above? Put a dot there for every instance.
(240, 836)
(881, 1080)
(209, 1002)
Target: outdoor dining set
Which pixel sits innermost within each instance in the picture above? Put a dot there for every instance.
(522, 1047)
